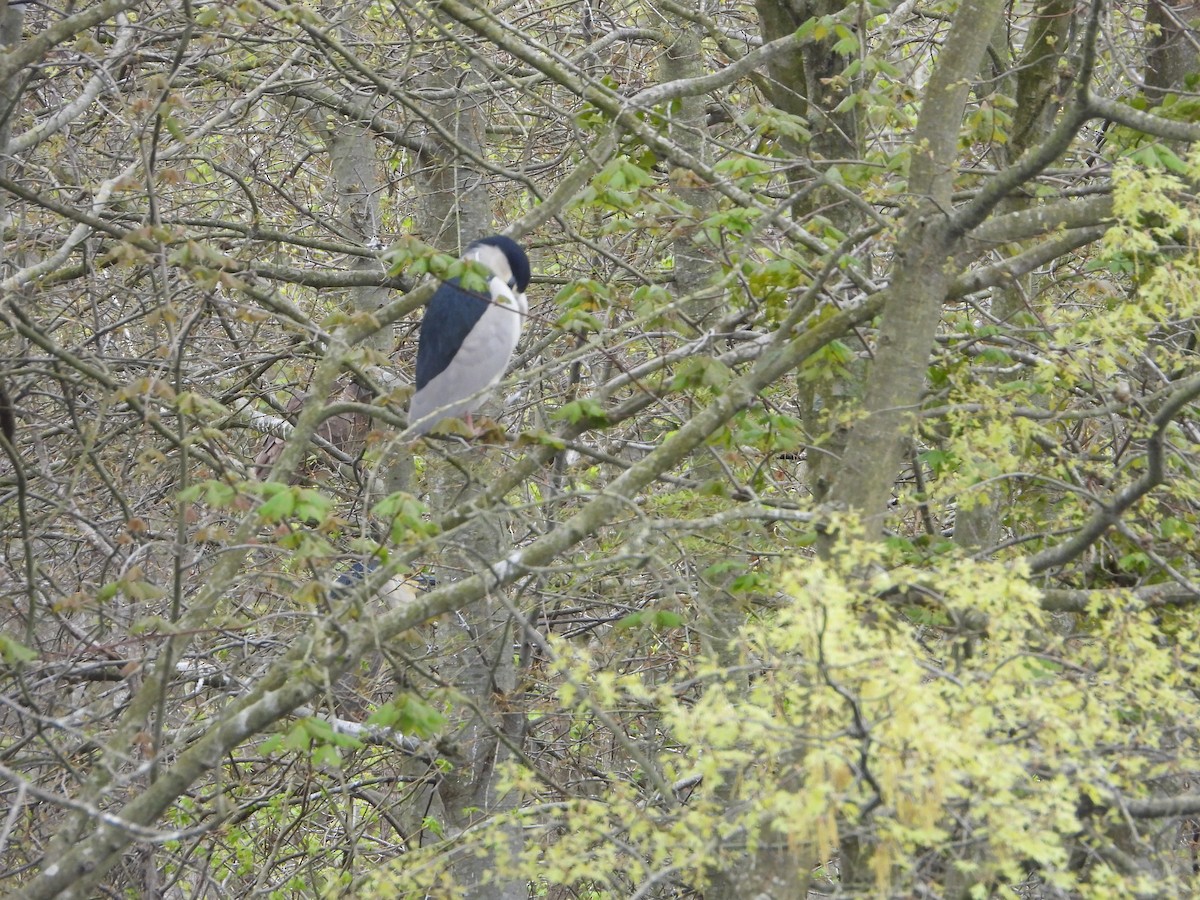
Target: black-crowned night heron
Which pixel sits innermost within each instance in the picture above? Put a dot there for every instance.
(467, 339)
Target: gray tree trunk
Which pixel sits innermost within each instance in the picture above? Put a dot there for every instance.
(12, 18)
(1171, 48)
(475, 648)
(877, 442)
(356, 180)
(1035, 88)
(455, 208)
(695, 262)
(808, 82)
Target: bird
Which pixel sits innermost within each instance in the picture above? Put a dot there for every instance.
(401, 586)
(467, 339)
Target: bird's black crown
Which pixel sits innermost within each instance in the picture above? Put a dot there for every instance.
(518, 262)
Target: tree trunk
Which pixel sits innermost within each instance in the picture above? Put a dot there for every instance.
(877, 442)
(477, 654)
(12, 18)
(1037, 91)
(809, 82)
(771, 871)
(475, 647)
(455, 208)
(694, 257)
(1171, 54)
(358, 188)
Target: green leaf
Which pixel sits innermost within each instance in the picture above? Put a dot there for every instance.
(939, 461)
(14, 652)
(409, 253)
(1169, 160)
(420, 718)
(414, 716)
(177, 131)
(312, 505)
(1134, 562)
(633, 620)
(216, 494)
(142, 590)
(297, 738)
(537, 437)
(409, 517)
(994, 356)
(278, 507)
(326, 756)
(720, 568)
(273, 744)
(701, 371)
(651, 299)
(847, 104)
(927, 615)
(432, 825)
(586, 294)
(586, 410)
(656, 619)
(750, 582)
(472, 276)
(1171, 528)
(665, 618)
(831, 359)
(846, 46)
(578, 321)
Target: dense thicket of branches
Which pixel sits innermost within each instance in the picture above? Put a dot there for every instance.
(839, 530)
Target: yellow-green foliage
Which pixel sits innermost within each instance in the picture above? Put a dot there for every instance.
(964, 758)
(1098, 350)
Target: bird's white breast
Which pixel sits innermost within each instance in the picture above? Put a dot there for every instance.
(479, 363)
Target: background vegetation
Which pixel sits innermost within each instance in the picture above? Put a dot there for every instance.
(844, 539)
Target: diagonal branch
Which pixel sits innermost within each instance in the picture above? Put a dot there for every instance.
(1044, 154)
(1110, 513)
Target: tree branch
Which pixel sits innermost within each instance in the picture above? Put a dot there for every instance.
(1079, 601)
(1110, 513)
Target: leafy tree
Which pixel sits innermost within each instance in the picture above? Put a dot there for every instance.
(838, 532)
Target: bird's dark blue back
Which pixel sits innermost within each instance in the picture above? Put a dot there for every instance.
(449, 318)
